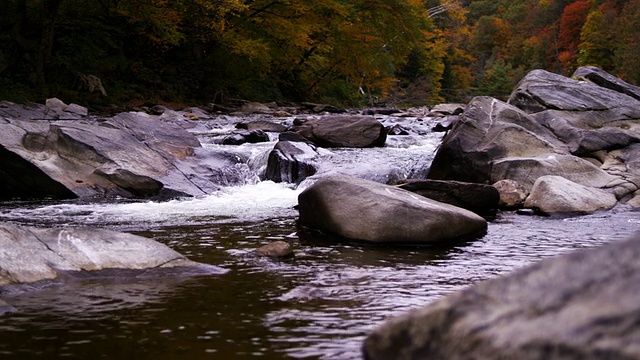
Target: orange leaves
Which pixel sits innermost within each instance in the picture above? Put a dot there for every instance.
(573, 18)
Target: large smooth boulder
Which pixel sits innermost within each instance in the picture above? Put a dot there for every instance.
(363, 210)
(31, 254)
(554, 194)
(488, 131)
(344, 131)
(526, 170)
(128, 155)
(583, 305)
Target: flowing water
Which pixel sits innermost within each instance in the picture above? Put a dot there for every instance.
(318, 305)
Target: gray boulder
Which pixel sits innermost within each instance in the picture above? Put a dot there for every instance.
(583, 305)
(263, 125)
(363, 210)
(128, 155)
(526, 170)
(488, 131)
(447, 109)
(585, 130)
(34, 254)
(586, 116)
(291, 161)
(606, 80)
(246, 136)
(554, 194)
(344, 131)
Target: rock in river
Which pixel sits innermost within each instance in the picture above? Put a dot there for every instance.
(344, 131)
(480, 198)
(128, 155)
(585, 129)
(555, 194)
(584, 305)
(33, 254)
(364, 210)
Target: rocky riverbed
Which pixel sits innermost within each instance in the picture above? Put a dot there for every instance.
(560, 147)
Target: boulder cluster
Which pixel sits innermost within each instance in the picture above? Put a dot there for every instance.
(568, 144)
(559, 145)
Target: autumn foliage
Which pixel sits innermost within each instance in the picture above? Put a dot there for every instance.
(354, 52)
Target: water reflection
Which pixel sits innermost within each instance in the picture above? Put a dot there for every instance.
(320, 304)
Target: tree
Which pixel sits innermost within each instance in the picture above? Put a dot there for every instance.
(627, 47)
(596, 42)
(572, 20)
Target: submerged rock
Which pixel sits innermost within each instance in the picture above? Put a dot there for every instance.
(33, 254)
(583, 305)
(276, 250)
(363, 210)
(6, 308)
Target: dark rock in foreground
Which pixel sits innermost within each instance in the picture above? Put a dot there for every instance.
(584, 305)
(364, 210)
(35, 254)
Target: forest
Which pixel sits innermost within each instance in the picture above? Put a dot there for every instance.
(346, 52)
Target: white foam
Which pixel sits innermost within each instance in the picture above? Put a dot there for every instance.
(255, 202)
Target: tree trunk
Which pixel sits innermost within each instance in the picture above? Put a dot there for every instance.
(50, 9)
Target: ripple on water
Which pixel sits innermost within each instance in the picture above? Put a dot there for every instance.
(320, 304)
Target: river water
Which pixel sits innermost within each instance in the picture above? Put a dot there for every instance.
(318, 305)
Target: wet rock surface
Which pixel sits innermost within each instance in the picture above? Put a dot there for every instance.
(344, 131)
(32, 254)
(552, 125)
(479, 198)
(364, 210)
(560, 308)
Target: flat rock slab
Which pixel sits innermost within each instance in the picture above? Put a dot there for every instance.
(30, 254)
(583, 305)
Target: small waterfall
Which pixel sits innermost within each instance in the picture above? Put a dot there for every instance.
(244, 196)
(403, 156)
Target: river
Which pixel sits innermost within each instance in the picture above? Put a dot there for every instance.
(318, 305)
